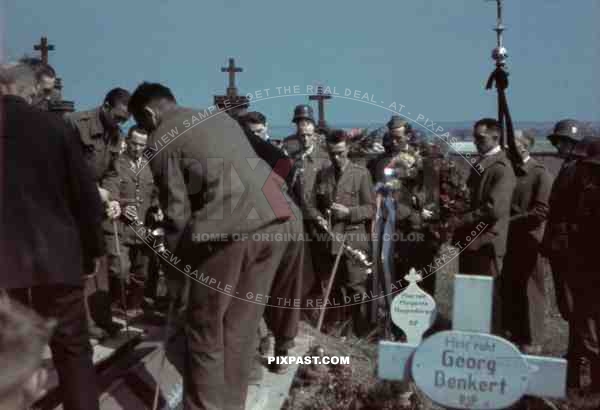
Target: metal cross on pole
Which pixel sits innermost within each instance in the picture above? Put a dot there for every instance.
(43, 47)
(467, 367)
(500, 57)
(320, 96)
(499, 77)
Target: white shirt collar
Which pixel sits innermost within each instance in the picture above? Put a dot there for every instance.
(493, 151)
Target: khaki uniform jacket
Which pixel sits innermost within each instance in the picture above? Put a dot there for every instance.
(306, 168)
(353, 189)
(555, 240)
(208, 187)
(131, 183)
(100, 146)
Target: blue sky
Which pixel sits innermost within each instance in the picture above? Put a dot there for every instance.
(432, 56)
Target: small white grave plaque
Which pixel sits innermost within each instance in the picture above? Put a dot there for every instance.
(413, 310)
(467, 370)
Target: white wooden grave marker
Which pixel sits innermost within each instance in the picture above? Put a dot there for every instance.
(413, 310)
(467, 368)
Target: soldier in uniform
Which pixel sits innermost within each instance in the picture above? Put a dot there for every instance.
(584, 278)
(255, 123)
(401, 202)
(482, 231)
(220, 329)
(567, 133)
(130, 182)
(344, 190)
(100, 135)
(415, 244)
(395, 141)
(308, 157)
(287, 284)
(523, 272)
(99, 130)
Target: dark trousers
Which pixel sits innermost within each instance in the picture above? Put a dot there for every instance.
(135, 258)
(484, 262)
(584, 333)
(281, 315)
(70, 346)
(221, 325)
(347, 295)
(523, 286)
(561, 269)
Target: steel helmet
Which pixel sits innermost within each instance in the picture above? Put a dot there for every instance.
(303, 111)
(568, 128)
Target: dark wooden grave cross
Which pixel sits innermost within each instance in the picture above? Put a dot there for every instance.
(43, 48)
(231, 69)
(320, 96)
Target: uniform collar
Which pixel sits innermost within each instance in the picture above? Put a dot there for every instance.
(309, 152)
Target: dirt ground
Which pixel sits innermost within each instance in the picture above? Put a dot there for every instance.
(357, 387)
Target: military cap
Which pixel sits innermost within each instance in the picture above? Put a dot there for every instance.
(397, 122)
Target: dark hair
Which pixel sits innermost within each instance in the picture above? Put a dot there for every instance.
(39, 67)
(253, 117)
(336, 136)
(116, 96)
(136, 128)
(491, 126)
(147, 92)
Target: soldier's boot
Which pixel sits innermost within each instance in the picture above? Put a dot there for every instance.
(574, 368)
(595, 375)
(94, 331)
